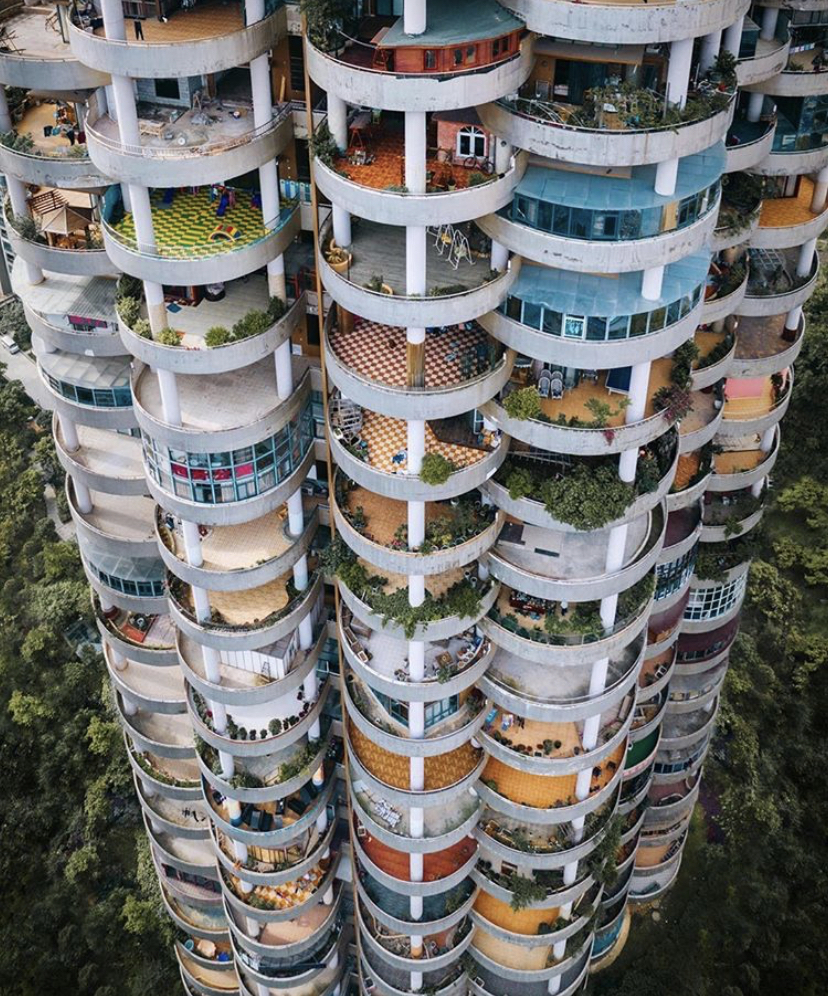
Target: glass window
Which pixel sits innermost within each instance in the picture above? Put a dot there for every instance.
(596, 328)
(430, 59)
(471, 142)
(532, 315)
(552, 321)
(560, 222)
(618, 326)
(574, 326)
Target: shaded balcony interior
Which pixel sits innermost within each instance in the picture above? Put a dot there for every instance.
(493, 984)
(211, 221)
(751, 398)
(712, 346)
(739, 455)
(453, 265)
(600, 307)
(388, 656)
(384, 521)
(587, 398)
(72, 304)
(787, 202)
(394, 770)
(436, 865)
(547, 684)
(398, 978)
(259, 722)
(152, 632)
(177, 772)
(730, 509)
(528, 921)
(208, 918)
(137, 577)
(263, 859)
(695, 647)
(680, 525)
(522, 835)
(382, 442)
(661, 625)
(454, 354)
(285, 896)
(437, 820)
(189, 851)
(222, 981)
(772, 272)
(672, 792)
(533, 738)
(808, 47)
(459, 150)
(727, 273)
(637, 752)
(116, 455)
(433, 944)
(691, 468)
(61, 219)
(45, 127)
(238, 547)
(651, 857)
(266, 817)
(617, 204)
(743, 131)
(760, 338)
(646, 712)
(465, 36)
(305, 974)
(36, 33)
(122, 517)
(753, 46)
(182, 22)
(684, 724)
(443, 717)
(513, 955)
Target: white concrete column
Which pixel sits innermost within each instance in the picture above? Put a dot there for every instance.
(500, 257)
(417, 774)
(300, 573)
(710, 46)
(21, 209)
(69, 431)
(341, 226)
(616, 546)
(732, 38)
(296, 513)
(820, 191)
(130, 708)
(170, 402)
(5, 113)
(755, 103)
(770, 15)
(415, 260)
(651, 283)
(201, 604)
(416, 660)
(415, 151)
(192, 543)
(793, 318)
(416, 446)
(83, 497)
(666, 176)
(678, 71)
(503, 152)
(338, 121)
(284, 371)
(414, 16)
(416, 524)
(806, 258)
(416, 720)
(768, 438)
(212, 663)
(638, 392)
(756, 490)
(219, 711)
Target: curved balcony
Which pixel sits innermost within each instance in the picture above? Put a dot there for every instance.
(288, 938)
(388, 981)
(90, 390)
(736, 222)
(789, 222)
(378, 723)
(236, 557)
(398, 951)
(749, 410)
(447, 595)
(231, 146)
(200, 978)
(193, 857)
(765, 346)
(518, 966)
(202, 40)
(40, 58)
(45, 162)
(148, 686)
(737, 469)
(630, 23)
(349, 69)
(401, 207)
(691, 480)
(256, 685)
(799, 78)
(631, 235)
(768, 60)
(569, 424)
(172, 815)
(276, 903)
(376, 459)
(119, 524)
(577, 574)
(313, 973)
(166, 736)
(141, 637)
(541, 126)
(722, 522)
(199, 914)
(209, 252)
(246, 620)
(464, 368)
(703, 421)
(135, 584)
(76, 262)
(792, 154)
(716, 352)
(104, 461)
(174, 779)
(726, 297)
(669, 803)
(194, 357)
(512, 628)
(62, 335)
(684, 730)
(448, 778)
(452, 295)
(750, 143)
(375, 528)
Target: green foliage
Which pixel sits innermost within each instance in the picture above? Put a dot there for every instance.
(168, 337)
(324, 20)
(587, 498)
(523, 404)
(13, 322)
(143, 328)
(525, 891)
(129, 308)
(436, 469)
(683, 359)
(217, 335)
(520, 483)
(253, 323)
(323, 146)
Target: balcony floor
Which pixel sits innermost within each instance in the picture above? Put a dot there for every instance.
(149, 681)
(702, 413)
(297, 929)
(187, 815)
(737, 461)
(207, 19)
(758, 338)
(753, 407)
(242, 608)
(159, 635)
(387, 439)
(380, 249)
(124, 517)
(784, 212)
(689, 465)
(707, 342)
(436, 819)
(173, 730)
(36, 35)
(378, 352)
(396, 863)
(34, 120)
(542, 683)
(110, 454)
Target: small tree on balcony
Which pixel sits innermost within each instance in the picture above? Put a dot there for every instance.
(436, 469)
(525, 891)
(523, 404)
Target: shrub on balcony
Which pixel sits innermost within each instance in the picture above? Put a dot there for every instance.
(15, 142)
(436, 469)
(217, 335)
(683, 359)
(253, 323)
(587, 498)
(142, 328)
(602, 861)
(129, 308)
(168, 337)
(523, 404)
(673, 402)
(525, 891)
(276, 309)
(322, 144)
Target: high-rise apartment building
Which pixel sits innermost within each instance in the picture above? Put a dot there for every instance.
(522, 351)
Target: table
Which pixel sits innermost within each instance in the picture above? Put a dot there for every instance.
(360, 123)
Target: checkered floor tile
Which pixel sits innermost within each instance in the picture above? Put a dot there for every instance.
(387, 438)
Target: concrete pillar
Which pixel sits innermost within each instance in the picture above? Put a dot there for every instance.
(678, 71)
(296, 513)
(768, 438)
(69, 431)
(416, 524)
(130, 708)
(83, 497)
(651, 283)
(415, 151)
(793, 319)
(170, 402)
(732, 38)
(21, 209)
(770, 15)
(338, 121)
(416, 660)
(710, 46)
(416, 446)
(416, 720)
(192, 543)
(820, 191)
(639, 392)
(666, 176)
(284, 371)
(5, 113)
(341, 226)
(503, 152)
(756, 490)
(500, 257)
(755, 103)
(201, 603)
(615, 548)
(212, 663)
(414, 17)
(300, 573)
(112, 12)
(806, 258)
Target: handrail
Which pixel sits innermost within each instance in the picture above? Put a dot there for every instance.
(57, 155)
(188, 151)
(12, 11)
(45, 245)
(183, 253)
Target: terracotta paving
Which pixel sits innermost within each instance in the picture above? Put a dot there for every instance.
(435, 866)
(688, 467)
(395, 770)
(525, 921)
(378, 352)
(230, 548)
(653, 669)
(517, 956)
(544, 792)
(649, 857)
(737, 461)
(532, 733)
(208, 19)
(750, 408)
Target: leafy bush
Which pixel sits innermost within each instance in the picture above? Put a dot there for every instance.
(218, 335)
(128, 286)
(168, 337)
(142, 328)
(253, 323)
(525, 891)
(520, 483)
(523, 404)
(436, 469)
(276, 309)
(674, 402)
(129, 308)
(586, 497)
(683, 359)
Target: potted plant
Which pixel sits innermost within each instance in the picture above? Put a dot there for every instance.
(337, 258)
(376, 284)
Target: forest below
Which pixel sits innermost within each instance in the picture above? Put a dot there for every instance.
(82, 912)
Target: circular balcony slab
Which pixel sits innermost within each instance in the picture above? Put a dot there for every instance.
(64, 172)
